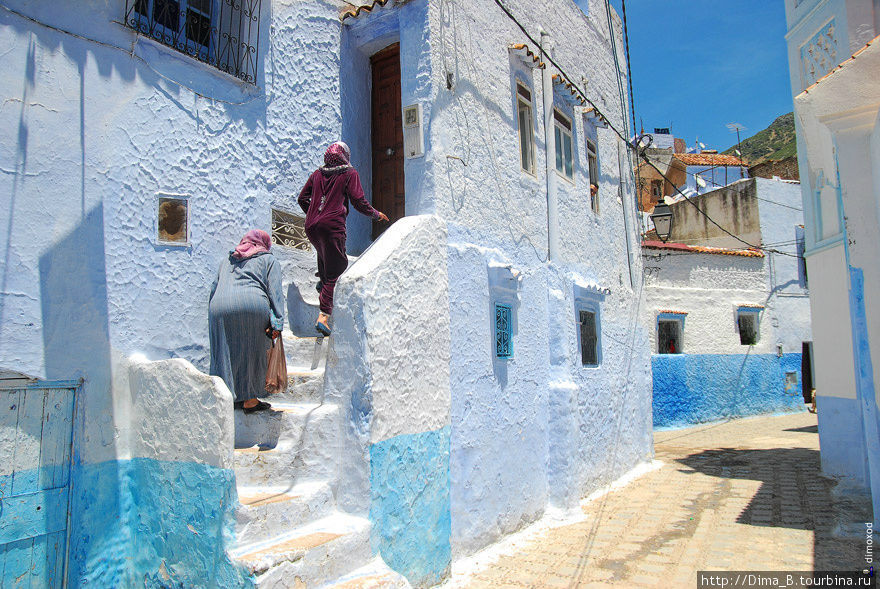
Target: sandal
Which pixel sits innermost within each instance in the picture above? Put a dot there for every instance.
(260, 406)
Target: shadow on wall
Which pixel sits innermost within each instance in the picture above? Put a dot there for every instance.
(76, 343)
(301, 315)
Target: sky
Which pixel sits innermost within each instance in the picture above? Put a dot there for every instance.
(698, 65)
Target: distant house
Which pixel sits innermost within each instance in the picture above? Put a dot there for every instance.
(729, 323)
(670, 167)
(708, 170)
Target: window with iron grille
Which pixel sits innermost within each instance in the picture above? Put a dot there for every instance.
(289, 230)
(747, 324)
(503, 331)
(222, 33)
(589, 337)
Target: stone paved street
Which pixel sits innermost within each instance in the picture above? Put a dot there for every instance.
(739, 495)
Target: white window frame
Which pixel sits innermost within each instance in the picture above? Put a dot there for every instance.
(593, 171)
(563, 134)
(525, 102)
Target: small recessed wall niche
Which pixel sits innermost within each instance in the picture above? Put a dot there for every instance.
(172, 220)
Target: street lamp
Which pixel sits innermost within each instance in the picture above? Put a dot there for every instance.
(662, 218)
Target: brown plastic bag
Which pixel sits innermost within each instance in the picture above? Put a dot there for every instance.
(276, 372)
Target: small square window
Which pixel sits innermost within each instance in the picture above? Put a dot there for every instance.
(173, 220)
(562, 134)
(747, 324)
(503, 331)
(289, 230)
(669, 336)
(589, 336)
(526, 128)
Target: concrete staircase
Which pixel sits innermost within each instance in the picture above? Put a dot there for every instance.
(289, 532)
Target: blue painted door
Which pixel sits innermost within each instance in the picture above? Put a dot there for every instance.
(36, 424)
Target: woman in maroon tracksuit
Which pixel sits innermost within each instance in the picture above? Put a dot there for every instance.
(325, 199)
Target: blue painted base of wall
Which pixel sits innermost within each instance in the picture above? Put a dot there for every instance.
(842, 440)
(409, 509)
(149, 523)
(698, 388)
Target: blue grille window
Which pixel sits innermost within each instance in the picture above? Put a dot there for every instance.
(503, 331)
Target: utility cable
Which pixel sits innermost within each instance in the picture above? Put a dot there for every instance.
(627, 141)
(711, 220)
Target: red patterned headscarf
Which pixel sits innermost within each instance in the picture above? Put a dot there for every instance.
(337, 156)
(254, 242)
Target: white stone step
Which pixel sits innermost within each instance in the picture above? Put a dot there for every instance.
(374, 575)
(311, 555)
(266, 512)
(304, 353)
(303, 386)
(307, 449)
(285, 421)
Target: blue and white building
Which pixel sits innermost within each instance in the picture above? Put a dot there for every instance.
(487, 360)
(834, 57)
(730, 323)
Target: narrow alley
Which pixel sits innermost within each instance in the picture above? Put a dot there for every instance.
(737, 495)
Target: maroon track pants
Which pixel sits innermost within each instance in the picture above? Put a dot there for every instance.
(332, 261)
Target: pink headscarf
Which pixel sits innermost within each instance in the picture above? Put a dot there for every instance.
(338, 155)
(254, 242)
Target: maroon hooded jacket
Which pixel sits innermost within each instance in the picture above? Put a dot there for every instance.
(326, 195)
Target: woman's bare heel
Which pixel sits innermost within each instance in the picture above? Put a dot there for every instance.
(322, 325)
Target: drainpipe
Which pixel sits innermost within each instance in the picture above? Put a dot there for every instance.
(550, 152)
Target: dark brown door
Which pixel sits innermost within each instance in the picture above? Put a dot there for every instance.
(388, 188)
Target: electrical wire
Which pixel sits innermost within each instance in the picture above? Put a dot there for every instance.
(604, 118)
(710, 219)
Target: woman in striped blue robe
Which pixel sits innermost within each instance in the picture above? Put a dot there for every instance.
(246, 306)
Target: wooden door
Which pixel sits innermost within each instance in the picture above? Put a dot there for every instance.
(35, 455)
(387, 133)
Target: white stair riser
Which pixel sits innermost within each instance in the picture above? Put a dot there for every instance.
(306, 453)
(261, 522)
(322, 564)
(302, 352)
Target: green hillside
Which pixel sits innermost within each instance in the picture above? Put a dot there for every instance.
(773, 143)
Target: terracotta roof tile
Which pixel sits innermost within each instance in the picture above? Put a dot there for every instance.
(527, 55)
(670, 312)
(355, 11)
(708, 159)
(699, 249)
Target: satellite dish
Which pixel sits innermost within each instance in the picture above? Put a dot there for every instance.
(737, 152)
(700, 182)
(702, 145)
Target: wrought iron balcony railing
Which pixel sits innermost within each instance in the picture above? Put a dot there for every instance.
(222, 33)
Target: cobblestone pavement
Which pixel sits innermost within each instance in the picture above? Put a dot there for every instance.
(739, 495)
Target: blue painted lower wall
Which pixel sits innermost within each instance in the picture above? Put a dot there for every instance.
(697, 388)
(409, 508)
(151, 523)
